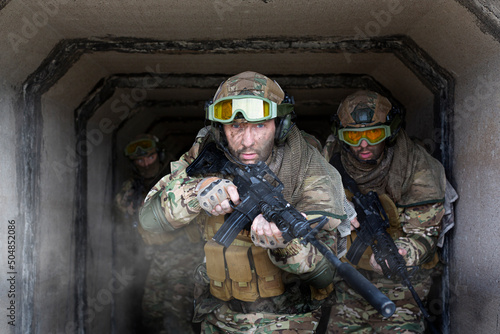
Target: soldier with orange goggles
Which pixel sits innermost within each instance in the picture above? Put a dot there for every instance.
(370, 144)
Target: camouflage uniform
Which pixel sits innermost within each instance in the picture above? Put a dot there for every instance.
(163, 270)
(313, 187)
(168, 293)
(415, 215)
(130, 249)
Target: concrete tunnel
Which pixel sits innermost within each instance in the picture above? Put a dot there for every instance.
(79, 78)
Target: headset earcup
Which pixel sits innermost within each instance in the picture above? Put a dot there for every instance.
(161, 155)
(397, 123)
(282, 129)
(335, 125)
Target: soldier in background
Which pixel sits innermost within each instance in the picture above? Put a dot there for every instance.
(168, 260)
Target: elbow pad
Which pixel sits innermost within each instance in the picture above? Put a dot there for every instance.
(321, 276)
(151, 216)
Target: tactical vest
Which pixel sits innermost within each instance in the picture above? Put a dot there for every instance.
(244, 271)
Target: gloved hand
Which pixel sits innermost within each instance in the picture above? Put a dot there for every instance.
(214, 194)
(266, 234)
(377, 268)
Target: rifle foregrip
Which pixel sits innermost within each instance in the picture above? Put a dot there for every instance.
(367, 290)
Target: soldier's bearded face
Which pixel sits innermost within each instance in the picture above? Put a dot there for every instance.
(148, 166)
(250, 142)
(365, 151)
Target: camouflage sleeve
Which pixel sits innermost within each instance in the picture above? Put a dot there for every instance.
(328, 149)
(421, 225)
(299, 259)
(178, 195)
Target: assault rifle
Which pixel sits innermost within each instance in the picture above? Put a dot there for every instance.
(373, 232)
(257, 196)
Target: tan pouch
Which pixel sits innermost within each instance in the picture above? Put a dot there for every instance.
(244, 281)
(220, 283)
(320, 294)
(268, 275)
(432, 263)
(392, 214)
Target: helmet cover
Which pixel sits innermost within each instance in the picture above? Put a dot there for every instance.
(250, 83)
(362, 109)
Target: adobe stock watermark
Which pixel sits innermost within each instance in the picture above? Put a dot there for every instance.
(103, 297)
(33, 22)
(121, 106)
(223, 6)
(381, 19)
(484, 90)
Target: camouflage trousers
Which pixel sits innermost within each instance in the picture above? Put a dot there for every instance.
(224, 320)
(352, 314)
(168, 294)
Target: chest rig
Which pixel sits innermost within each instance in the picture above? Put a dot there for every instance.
(242, 270)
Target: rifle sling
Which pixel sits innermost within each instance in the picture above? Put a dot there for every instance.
(358, 247)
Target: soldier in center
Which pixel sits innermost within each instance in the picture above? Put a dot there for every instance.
(258, 284)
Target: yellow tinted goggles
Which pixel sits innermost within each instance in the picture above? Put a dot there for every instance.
(141, 146)
(372, 134)
(253, 108)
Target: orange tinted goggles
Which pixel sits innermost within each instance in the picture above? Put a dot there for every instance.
(140, 147)
(373, 135)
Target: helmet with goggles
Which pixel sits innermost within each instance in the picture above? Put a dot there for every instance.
(253, 97)
(367, 115)
(142, 145)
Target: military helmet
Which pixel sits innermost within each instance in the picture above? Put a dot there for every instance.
(254, 97)
(369, 114)
(250, 83)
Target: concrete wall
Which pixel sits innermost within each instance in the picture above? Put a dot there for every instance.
(9, 200)
(475, 265)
